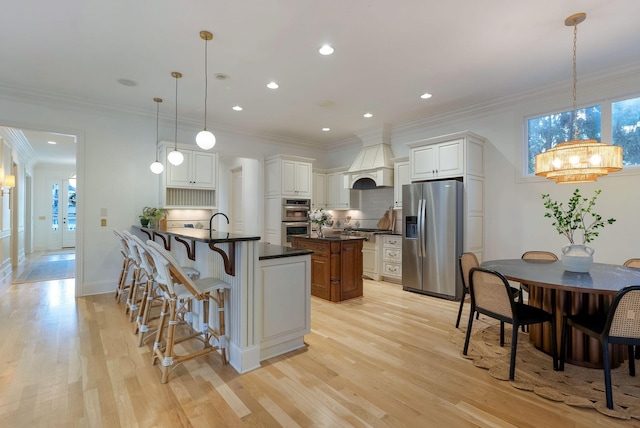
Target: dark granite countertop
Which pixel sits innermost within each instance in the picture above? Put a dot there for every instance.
(270, 251)
(202, 235)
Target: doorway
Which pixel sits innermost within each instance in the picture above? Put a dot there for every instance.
(63, 214)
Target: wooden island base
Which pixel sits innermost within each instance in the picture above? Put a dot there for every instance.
(336, 266)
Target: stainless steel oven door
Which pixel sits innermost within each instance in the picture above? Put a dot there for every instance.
(294, 228)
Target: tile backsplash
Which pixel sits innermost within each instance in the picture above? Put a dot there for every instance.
(373, 204)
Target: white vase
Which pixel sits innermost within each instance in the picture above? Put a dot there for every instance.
(577, 257)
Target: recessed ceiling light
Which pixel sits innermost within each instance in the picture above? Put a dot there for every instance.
(127, 82)
(326, 129)
(237, 108)
(368, 115)
(326, 50)
(51, 142)
(272, 85)
(426, 96)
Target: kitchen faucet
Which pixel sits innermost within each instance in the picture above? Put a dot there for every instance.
(211, 219)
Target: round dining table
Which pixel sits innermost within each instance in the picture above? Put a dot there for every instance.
(562, 292)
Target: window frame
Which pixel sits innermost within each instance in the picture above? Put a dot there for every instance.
(606, 134)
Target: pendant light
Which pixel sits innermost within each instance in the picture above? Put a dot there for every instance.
(205, 139)
(578, 161)
(157, 167)
(175, 157)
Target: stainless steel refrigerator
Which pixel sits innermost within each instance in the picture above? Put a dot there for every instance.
(432, 238)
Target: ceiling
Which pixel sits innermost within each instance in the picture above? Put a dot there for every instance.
(463, 52)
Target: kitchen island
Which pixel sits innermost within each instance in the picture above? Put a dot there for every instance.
(269, 304)
(336, 266)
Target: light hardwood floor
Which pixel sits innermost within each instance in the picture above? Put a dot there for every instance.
(385, 360)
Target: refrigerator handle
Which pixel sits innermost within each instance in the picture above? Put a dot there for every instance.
(421, 228)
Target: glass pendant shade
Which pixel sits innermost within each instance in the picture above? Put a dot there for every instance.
(205, 139)
(175, 157)
(578, 161)
(156, 167)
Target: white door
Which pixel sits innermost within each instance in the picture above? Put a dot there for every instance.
(63, 213)
(236, 214)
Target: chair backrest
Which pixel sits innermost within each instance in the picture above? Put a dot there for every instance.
(467, 261)
(490, 291)
(165, 263)
(124, 249)
(634, 263)
(623, 319)
(146, 260)
(539, 255)
(131, 245)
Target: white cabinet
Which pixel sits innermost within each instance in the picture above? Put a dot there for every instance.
(459, 155)
(284, 303)
(288, 176)
(331, 190)
(338, 192)
(273, 220)
(284, 177)
(198, 171)
(319, 197)
(371, 259)
(392, 258)
(401, 176)
(441, 160)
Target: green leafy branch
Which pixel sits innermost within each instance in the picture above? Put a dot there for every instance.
(578, 215)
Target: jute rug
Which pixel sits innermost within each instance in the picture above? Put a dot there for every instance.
(48, 271)
(575, 386)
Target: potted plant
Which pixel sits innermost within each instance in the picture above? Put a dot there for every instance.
(320, 218)
(577, 216)
(151, 215)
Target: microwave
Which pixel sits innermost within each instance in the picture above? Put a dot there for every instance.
(295, 209)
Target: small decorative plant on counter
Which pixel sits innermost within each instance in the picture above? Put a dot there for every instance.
(578, 215)
(151, 215)
(320, 218)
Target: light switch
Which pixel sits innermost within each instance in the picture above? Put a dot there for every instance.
(103, 212)
(103, 222)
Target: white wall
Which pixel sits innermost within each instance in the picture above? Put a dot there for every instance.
(514, 211)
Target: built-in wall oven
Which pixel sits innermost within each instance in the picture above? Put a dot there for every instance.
(295, 219)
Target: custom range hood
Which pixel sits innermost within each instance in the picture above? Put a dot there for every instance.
(373, 166)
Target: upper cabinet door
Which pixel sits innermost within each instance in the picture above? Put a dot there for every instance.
(204, 170)
(296, 178)
(450, 159)
(423, 163)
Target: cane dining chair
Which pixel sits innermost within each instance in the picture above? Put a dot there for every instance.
(620, 325)
(492, 296)
(466, 262)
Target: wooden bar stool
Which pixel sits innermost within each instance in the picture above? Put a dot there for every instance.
(179, 292)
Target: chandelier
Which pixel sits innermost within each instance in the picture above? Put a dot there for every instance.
(205, 138)
(578, 161)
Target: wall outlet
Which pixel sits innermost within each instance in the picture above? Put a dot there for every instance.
(103, 222)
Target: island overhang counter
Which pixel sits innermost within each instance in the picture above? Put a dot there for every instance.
(269, 303)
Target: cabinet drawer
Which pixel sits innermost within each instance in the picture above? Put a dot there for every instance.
(392, 241)
(320, 249)
(392, 269)
(392, 254)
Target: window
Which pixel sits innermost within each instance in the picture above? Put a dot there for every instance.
(545, 132)
(625, 123)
